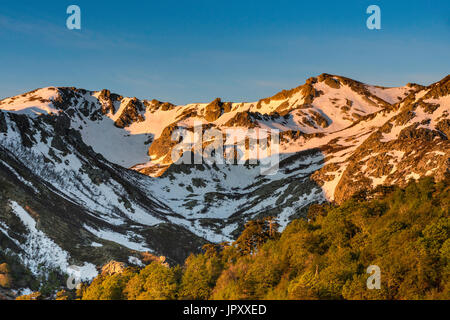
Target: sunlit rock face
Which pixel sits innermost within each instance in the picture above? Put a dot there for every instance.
(88, 177)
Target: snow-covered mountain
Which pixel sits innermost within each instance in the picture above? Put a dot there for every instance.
(87, 176)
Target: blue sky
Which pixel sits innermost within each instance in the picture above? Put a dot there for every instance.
(194, 51)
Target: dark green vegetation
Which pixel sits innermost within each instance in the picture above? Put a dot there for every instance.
(403, 231)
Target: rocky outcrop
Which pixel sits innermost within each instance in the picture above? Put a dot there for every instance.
(215, 109)
(162, 146)
(155, 105)
(242, 119)
(5, 277)
(113, 267)
(107, 99)
(131, 113)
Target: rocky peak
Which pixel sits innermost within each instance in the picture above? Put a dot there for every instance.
(155, 105)
(215, 109)
(131, 113)
(107, 100)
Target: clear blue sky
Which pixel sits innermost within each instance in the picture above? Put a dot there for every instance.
(194, 51)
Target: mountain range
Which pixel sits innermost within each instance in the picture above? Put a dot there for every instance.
(87, 176)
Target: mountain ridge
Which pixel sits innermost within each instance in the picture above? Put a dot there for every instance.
(107, 158)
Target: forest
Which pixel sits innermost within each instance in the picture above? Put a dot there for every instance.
(404, 231)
